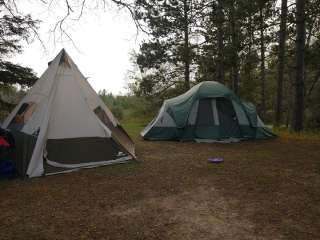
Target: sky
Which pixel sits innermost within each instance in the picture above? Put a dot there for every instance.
(103, 41)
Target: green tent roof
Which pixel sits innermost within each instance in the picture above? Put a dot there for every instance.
(179, 107)
(173, 122)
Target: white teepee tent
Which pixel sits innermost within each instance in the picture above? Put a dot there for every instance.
(62, 125)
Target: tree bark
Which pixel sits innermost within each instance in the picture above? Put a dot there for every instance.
(235, 58)
(298, 108)
(289, 97)
(220, 16)
(314, 83)
(186, 46)
(281, 59)
(251, 41)
(262, 63)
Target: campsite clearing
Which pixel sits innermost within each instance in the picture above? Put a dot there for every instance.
(266, 189)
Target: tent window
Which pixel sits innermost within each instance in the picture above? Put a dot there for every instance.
(215, 112)
(101, 114)
(23, 115)
(205, 113)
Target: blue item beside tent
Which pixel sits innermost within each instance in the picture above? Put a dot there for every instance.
(6, 169)
(215, 160)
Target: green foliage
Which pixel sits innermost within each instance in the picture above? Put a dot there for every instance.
(128, 106)
(162, 58)
(14, 27)
(249, 28)
(11, 73)
(9, 97)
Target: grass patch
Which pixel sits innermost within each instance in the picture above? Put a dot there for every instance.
(306, 135)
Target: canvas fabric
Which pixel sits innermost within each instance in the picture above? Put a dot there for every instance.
(59, 112)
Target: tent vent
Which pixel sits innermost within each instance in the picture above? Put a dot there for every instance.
(64, 60)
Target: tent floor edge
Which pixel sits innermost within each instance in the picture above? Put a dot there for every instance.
(62, 170)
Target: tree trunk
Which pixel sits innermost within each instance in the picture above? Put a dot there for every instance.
(220, 16)
(251, 41)
(186, 46)
(262, 64)
(235, 58)
(289, 90)
(281, 58)
(298, 108)
(307, 45)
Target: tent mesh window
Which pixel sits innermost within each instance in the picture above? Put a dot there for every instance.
(23, 115)
(205, 113)
(101, 114)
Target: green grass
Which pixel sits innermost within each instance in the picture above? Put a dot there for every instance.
(308, 135)
(134, 126)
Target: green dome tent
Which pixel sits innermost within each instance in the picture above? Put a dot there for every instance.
(208, 111)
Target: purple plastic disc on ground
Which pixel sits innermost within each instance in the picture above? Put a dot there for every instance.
(215, 160)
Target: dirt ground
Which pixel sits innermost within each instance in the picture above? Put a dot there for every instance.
(263, 190)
